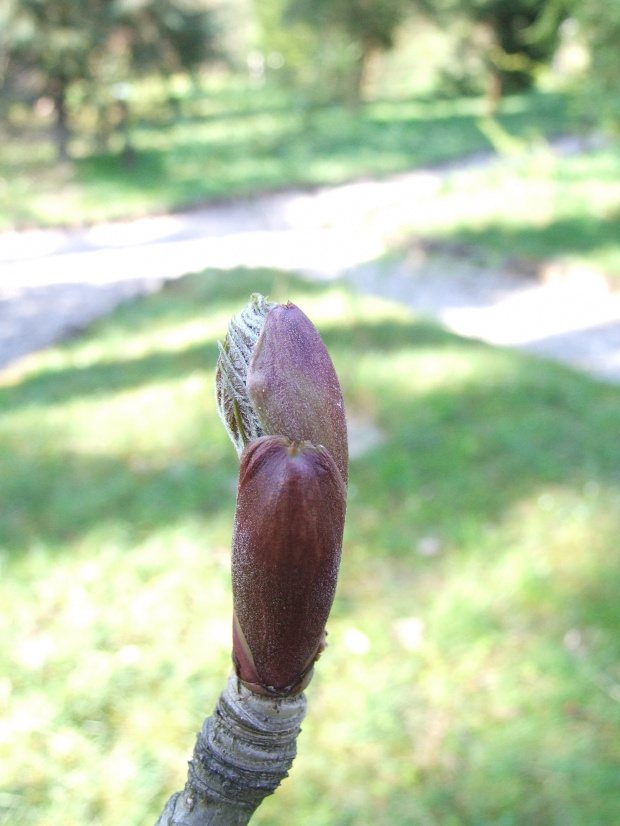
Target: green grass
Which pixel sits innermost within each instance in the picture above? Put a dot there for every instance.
(532, 206)
(529, 206)
(472, 676)
(230, 141)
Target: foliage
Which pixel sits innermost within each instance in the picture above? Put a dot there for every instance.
(599, 22)
(525, 36)
(514, 37)
(472, 668)
(363, 27)
(51, 44)
(293, 45)
(370, 24)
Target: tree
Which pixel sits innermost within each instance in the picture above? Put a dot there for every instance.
(365, 26)
(524, 35)
(515, 37)
(598, 24)
(294, 43)
(50, 44)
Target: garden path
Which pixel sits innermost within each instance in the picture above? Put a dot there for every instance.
(56, 281)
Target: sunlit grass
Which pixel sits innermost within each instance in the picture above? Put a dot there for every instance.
(533, 206)
(472, 674)
(237, 141)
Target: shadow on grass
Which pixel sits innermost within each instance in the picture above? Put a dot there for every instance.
(271, 149)
(460, 458)
(573, 236)
(56, 497)
(469, 430)
(493, 720)
(262, 148)
(61, 385)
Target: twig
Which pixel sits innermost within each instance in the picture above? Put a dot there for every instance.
(242, 754)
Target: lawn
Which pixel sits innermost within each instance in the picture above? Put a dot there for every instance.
(528, 207)
(472, 676)
(531, 206)
(227, 140)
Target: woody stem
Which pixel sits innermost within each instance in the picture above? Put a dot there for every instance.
(242, 754)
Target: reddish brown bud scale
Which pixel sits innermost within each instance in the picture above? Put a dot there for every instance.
(287, 542)
(293, 386)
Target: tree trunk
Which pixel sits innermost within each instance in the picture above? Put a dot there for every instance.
(59, 86)
(495, 89)
(356, 79)
(242, 754)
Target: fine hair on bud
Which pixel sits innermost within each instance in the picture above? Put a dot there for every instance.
(233, 403)
(275, 376)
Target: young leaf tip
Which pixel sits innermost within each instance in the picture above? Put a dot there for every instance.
(235, 352)
(293, 385)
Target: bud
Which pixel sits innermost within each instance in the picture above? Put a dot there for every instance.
(293, 386)
(287, 541)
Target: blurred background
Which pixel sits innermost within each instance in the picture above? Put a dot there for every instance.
(120, 108)
(472, 676)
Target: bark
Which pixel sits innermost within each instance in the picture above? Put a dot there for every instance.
(59, 86)
(494, 91)
(354, 82)
(242, 754)
(360, 78)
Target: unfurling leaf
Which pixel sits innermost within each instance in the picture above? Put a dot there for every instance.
(233, 403)
(287, 542)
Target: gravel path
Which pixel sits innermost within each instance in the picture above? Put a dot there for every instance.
(55, 282)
